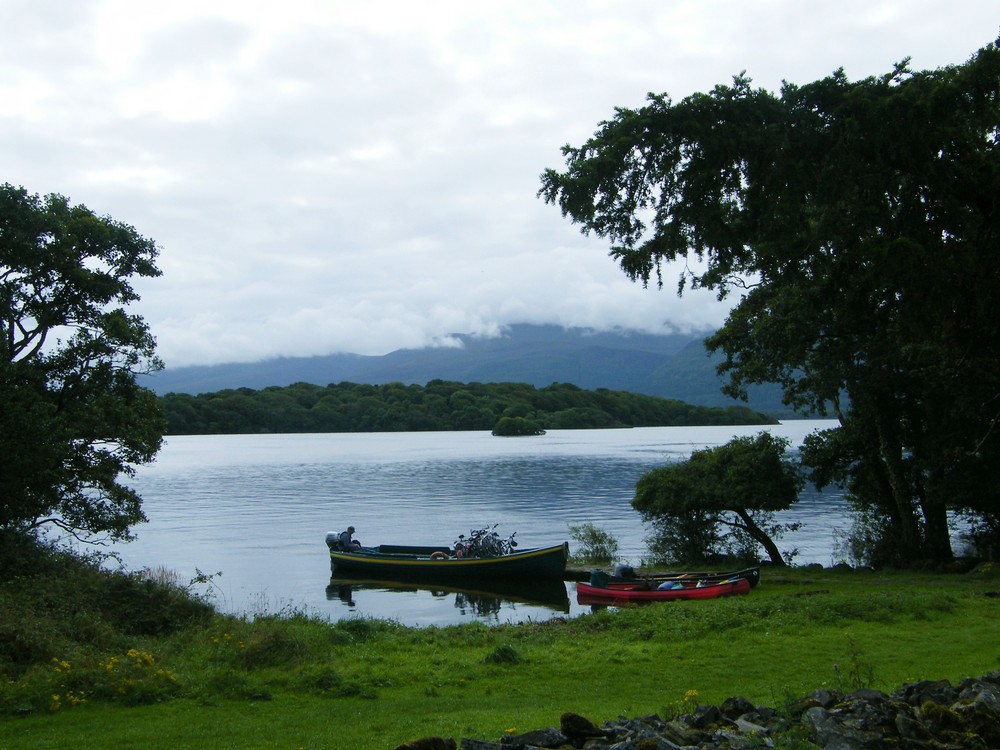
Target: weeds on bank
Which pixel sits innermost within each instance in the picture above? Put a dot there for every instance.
(131, 679)
(858, 672)
(685, 705)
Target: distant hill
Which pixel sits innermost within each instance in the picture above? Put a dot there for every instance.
(669, 366)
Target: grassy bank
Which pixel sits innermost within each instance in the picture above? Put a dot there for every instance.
(167, 673)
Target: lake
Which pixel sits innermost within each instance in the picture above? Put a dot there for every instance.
(257, 508)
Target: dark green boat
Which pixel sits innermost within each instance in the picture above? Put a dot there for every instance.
(441, 563)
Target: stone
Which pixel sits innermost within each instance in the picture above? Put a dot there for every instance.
(705, 716)
(918, 693)
(579, 729)
(832, 734)
(547, 738)
(429, 743)
(468, 744)
(981, 720)
(732, 708)
(986, 694)
(867, 695)
(749, 727)
(683, 734)
(862, 720)
(825, 698)
(909, 727)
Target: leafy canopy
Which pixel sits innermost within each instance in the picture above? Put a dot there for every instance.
(738, 485)
(857, 222)
(72, 418)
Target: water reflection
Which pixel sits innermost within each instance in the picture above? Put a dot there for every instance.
(487, 601)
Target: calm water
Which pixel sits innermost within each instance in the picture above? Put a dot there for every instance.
(257, 508)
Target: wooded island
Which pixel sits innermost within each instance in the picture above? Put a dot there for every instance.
(438, 406)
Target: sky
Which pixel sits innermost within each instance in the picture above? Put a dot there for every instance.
(326, 176)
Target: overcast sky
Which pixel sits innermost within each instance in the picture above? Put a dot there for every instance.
(328, 176)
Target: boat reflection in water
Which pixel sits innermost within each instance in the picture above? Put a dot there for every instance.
(483, 600)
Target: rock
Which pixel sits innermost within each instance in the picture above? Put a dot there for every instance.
(826, 698)
(683, 733)
(468, 744)
(733, 708)
(704, 717)
(918, 693)
(909, 719)
(986, 694)
(981, 720)
(832, 734)
(908, 727)
(429, 743)
(748, 727)
(578, 729)
(547, 738)
(867, 696)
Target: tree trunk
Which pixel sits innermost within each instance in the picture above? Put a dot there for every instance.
(759, 535)
(937, 535)
(891, 458)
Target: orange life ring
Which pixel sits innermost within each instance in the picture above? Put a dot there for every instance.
(439, 556)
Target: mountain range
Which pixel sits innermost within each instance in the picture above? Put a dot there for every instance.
(673, 366)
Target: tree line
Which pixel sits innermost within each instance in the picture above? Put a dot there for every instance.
(439, 405)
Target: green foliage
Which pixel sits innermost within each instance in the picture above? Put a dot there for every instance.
(593, 545)
(857, 222)
(857, 673)
(503, 654)
(504, 408)
(56, 604)
(736, 486)
(868, 542)
(692, 538)
(72, 418)
(517, 427)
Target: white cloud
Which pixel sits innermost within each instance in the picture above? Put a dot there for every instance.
(338, 176)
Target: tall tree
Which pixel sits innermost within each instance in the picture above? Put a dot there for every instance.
(858, 223)
(72, 418)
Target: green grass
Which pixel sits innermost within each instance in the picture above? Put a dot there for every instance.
(296, 682)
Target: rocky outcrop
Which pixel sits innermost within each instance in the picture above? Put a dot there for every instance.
(917, 716)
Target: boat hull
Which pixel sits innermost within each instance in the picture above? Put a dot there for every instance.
(628, 593)
(411, 563)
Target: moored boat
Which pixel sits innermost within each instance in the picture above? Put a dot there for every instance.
(637, 592)
(412, 562)
(751, 574)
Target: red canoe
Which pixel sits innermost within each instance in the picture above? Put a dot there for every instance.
(623, 593)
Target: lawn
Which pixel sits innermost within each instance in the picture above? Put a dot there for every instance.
(296, 682)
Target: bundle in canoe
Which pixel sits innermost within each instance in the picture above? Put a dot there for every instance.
(751, 574)
(635, 592)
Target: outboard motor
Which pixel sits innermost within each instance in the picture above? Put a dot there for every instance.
(332, 540)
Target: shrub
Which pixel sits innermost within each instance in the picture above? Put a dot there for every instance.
(58, 603)
(595, 545)
(517, 427)
(503, 654)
